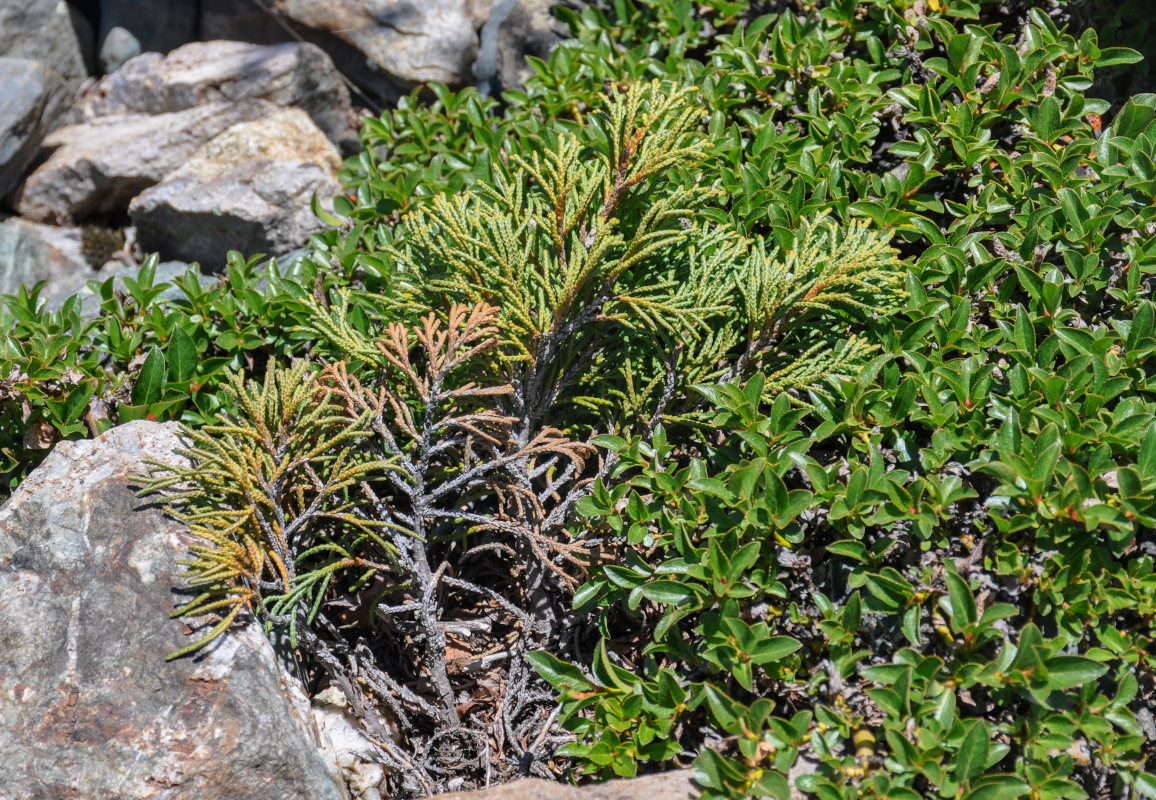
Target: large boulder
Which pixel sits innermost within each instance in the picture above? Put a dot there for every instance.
(409, 41)
(89, 708)
(99, 166)
(291, 74)
(249, 189)
(30, 253)
(31, 97)
(386, 47)
(131, 27)
(42, 30)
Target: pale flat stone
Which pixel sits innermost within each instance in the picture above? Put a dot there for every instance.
(676, 785)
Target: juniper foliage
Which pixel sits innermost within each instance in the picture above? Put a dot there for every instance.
(402, 509)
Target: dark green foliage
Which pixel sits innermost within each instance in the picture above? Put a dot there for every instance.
(966, 529)
(579, 291)
(154, 350)
(717, 564)
(894, 544)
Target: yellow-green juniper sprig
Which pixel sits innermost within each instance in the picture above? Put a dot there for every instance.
(259, 485)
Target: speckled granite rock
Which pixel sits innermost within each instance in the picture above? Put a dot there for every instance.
(385, 46)
(99, 166)
(288, 75)
(412, 42)
(249, 189)
(89, 708)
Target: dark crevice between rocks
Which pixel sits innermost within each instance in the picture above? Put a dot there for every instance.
(101, 239)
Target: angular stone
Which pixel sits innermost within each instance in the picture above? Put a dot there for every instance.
(676, 785)
(401, 43)
(99, 166)
(30, 253)
(292, 74)
(31, 98)
(41, 30)
(389, 46)
(89, 708)
(249, 189)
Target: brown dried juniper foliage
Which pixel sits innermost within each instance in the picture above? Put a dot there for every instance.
(402, 508)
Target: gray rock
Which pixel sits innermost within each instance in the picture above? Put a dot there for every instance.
(41, 30)
(99, 166)
(389, 46)
(116, 47)
(89, 708)
(30, 253)
(249, 190)
(31, 97)
(512, 30)
(144, 25)
(392, 45)
(293, 74)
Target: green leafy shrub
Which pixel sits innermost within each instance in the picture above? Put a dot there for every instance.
(156, 350)
(971, 603)
(424, 478)
(926, 574)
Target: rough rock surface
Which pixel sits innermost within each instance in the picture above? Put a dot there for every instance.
(99, 166)
(675, 785)
(249, 189)
(343, 742)
(41, 30)
(291, 74)
(89, 708)
(131, 27)
(31, 97)
(408, 41)
(388, 46)
(30, 252)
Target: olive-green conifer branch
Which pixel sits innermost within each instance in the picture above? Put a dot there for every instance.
(257, 489)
